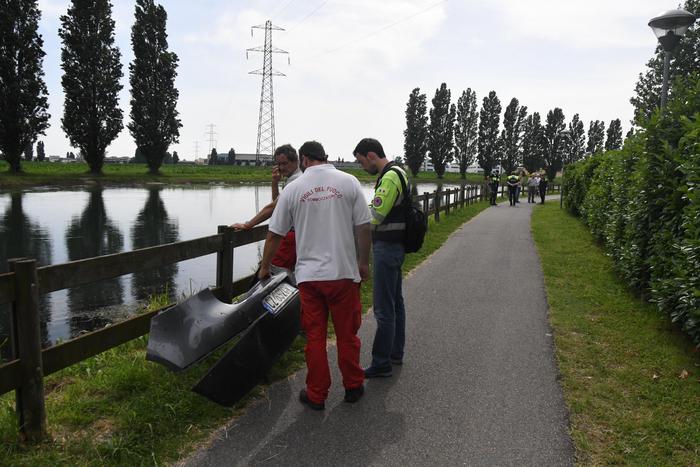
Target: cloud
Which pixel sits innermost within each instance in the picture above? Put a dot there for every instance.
(589, 24)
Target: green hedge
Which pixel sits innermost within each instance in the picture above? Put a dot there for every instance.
(642, 203)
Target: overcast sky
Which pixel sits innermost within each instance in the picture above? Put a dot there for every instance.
(354, 63)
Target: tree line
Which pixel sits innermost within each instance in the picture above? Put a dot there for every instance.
(464, 134)
(91, 65)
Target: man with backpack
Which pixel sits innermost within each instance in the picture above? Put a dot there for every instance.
(388, 224)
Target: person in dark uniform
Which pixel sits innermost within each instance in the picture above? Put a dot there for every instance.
(513, 183)
(493, 185)
(543, 187)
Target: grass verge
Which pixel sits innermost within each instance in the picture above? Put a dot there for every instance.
(119, 409)
(631, 381)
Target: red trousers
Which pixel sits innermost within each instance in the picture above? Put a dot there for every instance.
(342, 299)
(286, 256)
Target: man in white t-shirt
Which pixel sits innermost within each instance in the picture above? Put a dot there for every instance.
(287, 166)
(327, 209)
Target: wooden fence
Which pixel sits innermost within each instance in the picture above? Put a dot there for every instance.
(24, 283)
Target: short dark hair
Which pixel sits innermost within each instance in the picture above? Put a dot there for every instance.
(367, 145)
(289, 151)
(313, 150)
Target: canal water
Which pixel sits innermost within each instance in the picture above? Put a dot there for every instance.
(60, 225)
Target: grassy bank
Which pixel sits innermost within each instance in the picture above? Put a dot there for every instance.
(631, 381)
(118, 409)
(47, 173)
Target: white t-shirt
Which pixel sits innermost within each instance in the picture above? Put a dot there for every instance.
(323, 205)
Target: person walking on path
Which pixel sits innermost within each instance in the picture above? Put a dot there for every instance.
(522, 172)
(326, 207)
(532, 186)
(513, 182)
(287, 166)
(493, 186)
(543, 187)
(388, 229)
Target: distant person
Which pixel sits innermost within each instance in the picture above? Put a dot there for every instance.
(543, 187)
(388, 231)
(327, 209)
(287, 165)
(523, 182)
(532, 187)
(493, 186)
(512, 182)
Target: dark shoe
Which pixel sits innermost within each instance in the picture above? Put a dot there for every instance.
(304, 399)
(354, 395)
(372, 372)
(396, 361)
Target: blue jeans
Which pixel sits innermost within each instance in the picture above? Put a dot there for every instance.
(388, 304)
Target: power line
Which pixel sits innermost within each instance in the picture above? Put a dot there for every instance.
(277, 11)
(384, 28)
(307, 16)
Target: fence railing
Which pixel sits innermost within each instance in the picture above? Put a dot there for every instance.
(24, 283)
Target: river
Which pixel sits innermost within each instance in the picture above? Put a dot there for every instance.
(60, 225)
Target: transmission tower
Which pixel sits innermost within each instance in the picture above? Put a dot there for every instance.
(266, 119)
(210, 133)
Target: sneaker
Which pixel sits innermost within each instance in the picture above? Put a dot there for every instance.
(304, 399)
(396, 361)
(354, 395)
(372, 372)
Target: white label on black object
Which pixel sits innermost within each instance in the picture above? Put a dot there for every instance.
(276, 300)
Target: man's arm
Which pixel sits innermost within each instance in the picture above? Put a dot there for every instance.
(264, 214)
(272, 243)
(363, 241)
(276, 177)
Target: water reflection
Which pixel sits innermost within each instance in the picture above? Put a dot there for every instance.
(21, 237)
(154, 227)
(90, 234)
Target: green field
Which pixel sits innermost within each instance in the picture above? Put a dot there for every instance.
(53, 173)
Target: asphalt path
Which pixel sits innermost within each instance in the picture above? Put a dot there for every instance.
(479, 383)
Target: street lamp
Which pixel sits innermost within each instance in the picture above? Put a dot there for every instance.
(566, 134)
(669, 28)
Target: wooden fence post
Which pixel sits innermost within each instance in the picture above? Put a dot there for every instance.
(438, 195)
(426, 202)
(448, 197)
(224, 264)
(26, 331)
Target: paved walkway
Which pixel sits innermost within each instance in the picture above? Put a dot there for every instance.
(478, 385)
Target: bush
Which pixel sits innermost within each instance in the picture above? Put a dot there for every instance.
(642, 204)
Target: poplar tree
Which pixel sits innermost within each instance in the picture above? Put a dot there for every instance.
(533, 143)
(23, 94)
(466, 131)
(154, 117)
(416, 133)
(512, 134)
(441, 130)
(596, 137)
(489, 123)
(553, 154)
(40, 151)
(614, 135)
(29, 152)
(577, 141)
(92, 118)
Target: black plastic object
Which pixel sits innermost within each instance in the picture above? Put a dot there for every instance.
(246, 364)
(191, 330)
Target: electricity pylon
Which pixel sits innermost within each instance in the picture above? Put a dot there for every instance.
(266, 119)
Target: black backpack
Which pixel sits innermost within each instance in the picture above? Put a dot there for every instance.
(416, 220)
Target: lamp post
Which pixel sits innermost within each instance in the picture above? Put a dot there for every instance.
(669, 28)
(567, 134)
